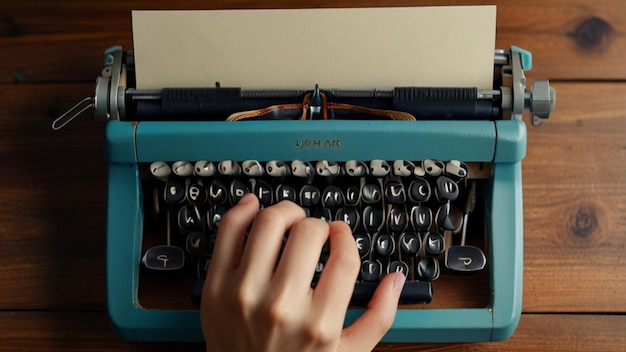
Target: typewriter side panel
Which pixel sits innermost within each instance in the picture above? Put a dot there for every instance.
(506, 248)
(124, 235)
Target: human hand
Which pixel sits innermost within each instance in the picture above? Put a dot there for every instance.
(253, 300)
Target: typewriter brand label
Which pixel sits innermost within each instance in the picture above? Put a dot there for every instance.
(318, 143)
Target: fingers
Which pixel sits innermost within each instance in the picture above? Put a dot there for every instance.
(231, 235)
(265, 240)
(301, 255)
(369, 328)
(335, 286)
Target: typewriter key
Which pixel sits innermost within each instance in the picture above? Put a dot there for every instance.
(174, 192)
(421, 217)
(410, 244)
(363, 243)
(428, 268)
(371, 270)
(285, 192)
(182, 168)
(355, 168)
(204, 168)
(384, 245)
(189, 219)
(253, 168)
(456, 168)
(433, 167)
(447, 189)
(449, 217)
(196, 243)
(394, 191)
(379, 168)
(229, 168)
(349, 215)
(433, 243)
(400, 266)
(160, 170)
(419, 191)
(164, 258)
(403, 168)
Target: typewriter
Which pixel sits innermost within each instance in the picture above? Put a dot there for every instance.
(428, 179)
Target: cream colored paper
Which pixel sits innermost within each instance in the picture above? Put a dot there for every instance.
(335, 48)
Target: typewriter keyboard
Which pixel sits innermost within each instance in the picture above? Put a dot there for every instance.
(422, 218)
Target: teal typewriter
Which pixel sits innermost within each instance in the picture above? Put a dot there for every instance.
(428, 179)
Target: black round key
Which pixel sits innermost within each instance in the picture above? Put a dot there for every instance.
(189, 218)
(262, 190)
(285, 192)
(349, 215)
(371, 193)
(217, 192)
(410, 244)
(371, 270)
(214, 216)
(373, 218)
(397, 219)
(196, 243)
(400, 266)
(174, 192)
(421, 217)
(384, 245)
(353, 195)
(447, 189)
(238, 189)
(394, 192)
(428, 268)
(332, 197)
(434, 243)
(309, 196)
(164, 258)
(196, 194)
(465, 258)
(449, 217)
(419, 191)
(363, 243)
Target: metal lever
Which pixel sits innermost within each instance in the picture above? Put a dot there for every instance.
(74, 112)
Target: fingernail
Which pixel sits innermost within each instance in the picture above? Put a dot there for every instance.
(398, 283)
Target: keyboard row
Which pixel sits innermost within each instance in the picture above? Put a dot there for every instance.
(306, 169)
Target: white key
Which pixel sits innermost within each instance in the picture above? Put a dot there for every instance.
(160, 170)
(356, 168)
(229, 168)
(276, 168)
(182, 168)
(403, 168)
(379, 168)
(433, 167)
(204, 168)
(252, 168)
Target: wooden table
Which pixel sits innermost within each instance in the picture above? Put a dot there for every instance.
(53, 184)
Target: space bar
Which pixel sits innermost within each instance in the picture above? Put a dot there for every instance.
(413, 292)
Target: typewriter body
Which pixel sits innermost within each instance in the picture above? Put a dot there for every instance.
(429, 180)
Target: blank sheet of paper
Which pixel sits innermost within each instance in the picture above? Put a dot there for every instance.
(335, 48)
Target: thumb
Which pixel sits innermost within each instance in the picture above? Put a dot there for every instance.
(365, 332)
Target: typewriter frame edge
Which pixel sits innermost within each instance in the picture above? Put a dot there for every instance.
(495, 322)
